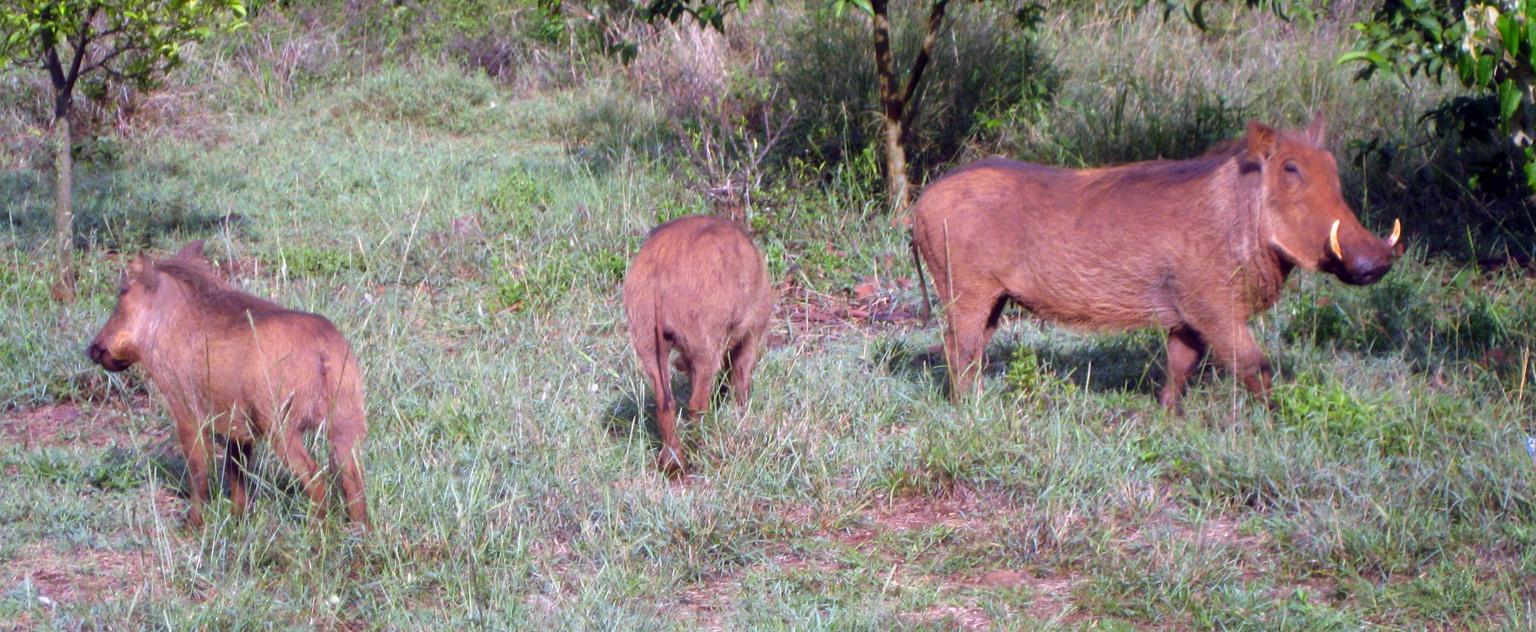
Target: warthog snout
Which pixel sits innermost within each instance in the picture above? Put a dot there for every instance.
(99, 354)
(1364, 263)
(1367, 269)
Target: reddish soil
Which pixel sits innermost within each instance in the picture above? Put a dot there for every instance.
(966, 510)
(953, 617)
(81, 576)
(871, 305)
(55, 425)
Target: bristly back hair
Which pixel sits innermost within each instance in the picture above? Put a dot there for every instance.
(211, 291)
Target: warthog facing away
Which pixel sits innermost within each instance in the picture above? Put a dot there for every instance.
(240, 367)
(699, 285)
(1195, 247)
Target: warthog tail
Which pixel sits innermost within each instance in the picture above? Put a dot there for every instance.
(917, 264)
(663, 367)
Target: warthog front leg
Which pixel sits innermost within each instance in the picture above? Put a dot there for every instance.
(346, 439)
(192, 434)
(1233, 346)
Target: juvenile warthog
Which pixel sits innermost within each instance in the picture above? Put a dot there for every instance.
(1195, 247)
(242, 368)
(699, 285)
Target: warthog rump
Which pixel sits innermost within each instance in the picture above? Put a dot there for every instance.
(241, 368)
(700, 286)
(1195, 247)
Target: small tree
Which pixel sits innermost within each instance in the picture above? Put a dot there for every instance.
(899, 99)
(135, 41)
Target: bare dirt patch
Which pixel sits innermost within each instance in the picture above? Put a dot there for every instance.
(50, 425)
(55, 425)
(872, 304)
(1317, 589)
(1218, 530)
(708, 602)
(953, 617)
(974, 515)
(82, 576)
(1053, 598)
(967, 510)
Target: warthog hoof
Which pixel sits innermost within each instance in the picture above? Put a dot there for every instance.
(670, 462)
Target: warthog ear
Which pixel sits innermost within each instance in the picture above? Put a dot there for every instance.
(143, 269)
(1317, 130)
(139, 264)
(1262, 140)
(193, 250)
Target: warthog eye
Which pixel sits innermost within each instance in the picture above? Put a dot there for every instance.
(1290, 168)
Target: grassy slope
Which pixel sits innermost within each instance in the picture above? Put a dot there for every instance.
(510, 470)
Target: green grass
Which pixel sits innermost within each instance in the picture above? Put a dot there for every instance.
(470, 240)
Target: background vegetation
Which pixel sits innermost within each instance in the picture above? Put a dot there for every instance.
(460, 185)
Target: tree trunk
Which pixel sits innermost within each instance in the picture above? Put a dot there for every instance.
(63, 162)
(63, 209)
(890, 110)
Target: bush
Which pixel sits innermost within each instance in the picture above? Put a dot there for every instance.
(792, 87)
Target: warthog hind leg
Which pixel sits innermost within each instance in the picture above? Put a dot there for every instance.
(743, 360)
(237, 457)
(347, 463)
(704, 367)
(971, 325)
(288, 445)
(653, 351)
(1184, 350)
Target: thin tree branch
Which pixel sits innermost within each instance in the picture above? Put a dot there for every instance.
(101, 63)
(49, 55)
(910, 94)
(51, 62)
(930, 38)
(84, 39)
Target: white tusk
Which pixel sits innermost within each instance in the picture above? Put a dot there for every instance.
(1333, 241)
(1397, 231)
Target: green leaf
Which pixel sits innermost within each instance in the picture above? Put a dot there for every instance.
(1430, 26)
(840, 6)
(1484, 76)
(1368, 56)
(1509, 99)
(1530, 38)
(1509, 31)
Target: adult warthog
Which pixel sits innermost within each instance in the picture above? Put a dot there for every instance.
(1195, 247)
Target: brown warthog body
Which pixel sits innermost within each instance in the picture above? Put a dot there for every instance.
(698, 285)
(1195, 247)
(242, 368)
